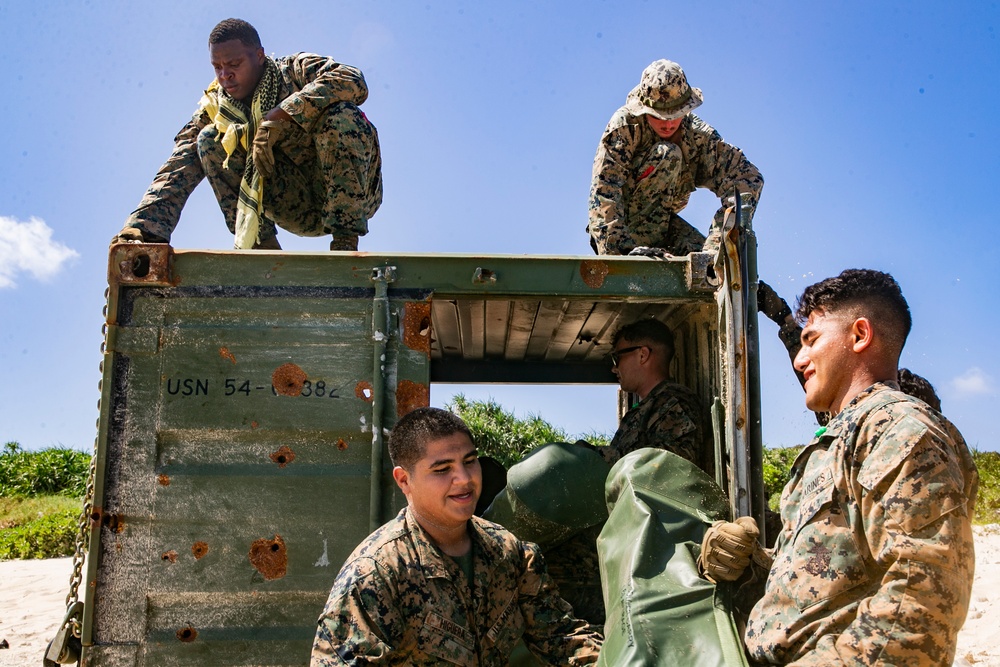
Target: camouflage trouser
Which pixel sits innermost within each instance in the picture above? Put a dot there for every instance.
(326, 181)
(662, 188)
(575, 567)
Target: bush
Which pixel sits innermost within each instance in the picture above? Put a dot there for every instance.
(777, 471)
(988, 502)
(58, 470)
(500, 434)
(51, 536)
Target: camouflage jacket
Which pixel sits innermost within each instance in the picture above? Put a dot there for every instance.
(670, 418)
(309, 84)
(875, 561)
(709, 162)
(399, 601)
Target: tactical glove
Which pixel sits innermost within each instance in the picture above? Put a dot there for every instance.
(727, 548)
(771, 304)
(135, 235)
(646, 251)
(268, 134)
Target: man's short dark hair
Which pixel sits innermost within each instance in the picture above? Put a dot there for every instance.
(409, 438)
(918, 387)
(235, 29)
(861, 293)
(650, 332)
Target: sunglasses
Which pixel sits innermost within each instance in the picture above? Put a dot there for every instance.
(616, 355)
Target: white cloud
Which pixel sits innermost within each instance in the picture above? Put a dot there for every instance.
(27, 247)
(974, 381)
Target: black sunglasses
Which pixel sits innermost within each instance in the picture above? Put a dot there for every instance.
(616, 355)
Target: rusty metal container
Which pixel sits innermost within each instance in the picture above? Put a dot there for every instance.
(247, 395)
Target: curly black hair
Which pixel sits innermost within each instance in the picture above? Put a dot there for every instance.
(862, 293)
(920, 387)
(235, 29)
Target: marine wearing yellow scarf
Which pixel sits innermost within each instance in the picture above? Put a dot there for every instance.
(237, 124)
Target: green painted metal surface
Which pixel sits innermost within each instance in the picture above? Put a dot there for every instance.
(236, 446)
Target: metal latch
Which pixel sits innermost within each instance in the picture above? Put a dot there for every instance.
(66, 647)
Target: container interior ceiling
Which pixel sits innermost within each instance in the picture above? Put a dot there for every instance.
(554, 341)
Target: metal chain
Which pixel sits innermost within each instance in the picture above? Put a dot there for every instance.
(83, 524)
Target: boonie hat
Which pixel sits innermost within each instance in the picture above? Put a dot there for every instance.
(663, 92)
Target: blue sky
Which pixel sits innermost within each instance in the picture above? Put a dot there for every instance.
(875, 125)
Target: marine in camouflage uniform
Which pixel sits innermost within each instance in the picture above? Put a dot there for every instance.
(669, 417)
(327, 176)
(875, 561)
(399, 601)
(875, 558)
(642, 180)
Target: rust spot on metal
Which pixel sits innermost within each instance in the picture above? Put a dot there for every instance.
(593, 272)
(364, 391)
(198, 550)
(269, 557)
(417, 326)
(109, 520)
(170, 556)
(283, 456)
(226, 354)
(254, 425)
(287, 379)
(410, 396)
(187, 634)
(341, 445)
(164, 480)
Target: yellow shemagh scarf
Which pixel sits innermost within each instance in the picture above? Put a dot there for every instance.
(237, 124)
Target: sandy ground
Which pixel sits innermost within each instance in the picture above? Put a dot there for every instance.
(33, 601)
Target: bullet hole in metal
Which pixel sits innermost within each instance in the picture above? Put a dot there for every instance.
(111, 521)
(593, 272)
(288, 380)
(417, 326)
(198, 550)
(187, 634)
(269, 557)
(364, 391)
(341, 445)
(170, 556)
(283, 456)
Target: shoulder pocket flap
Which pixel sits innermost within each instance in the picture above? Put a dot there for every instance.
(893, 448)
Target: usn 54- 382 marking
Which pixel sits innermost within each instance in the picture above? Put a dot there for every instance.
(237, 387)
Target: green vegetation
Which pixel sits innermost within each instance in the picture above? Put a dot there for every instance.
(54, 471)
(19, 511)
(40, 501)
(777, 471)
(501, 435)
(988, 501)
(50, 536)
(40, 492)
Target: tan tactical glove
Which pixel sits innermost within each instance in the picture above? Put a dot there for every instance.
(128, 235)
(268, 134)
(727, 549)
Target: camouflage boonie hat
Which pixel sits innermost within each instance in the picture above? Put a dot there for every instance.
(663, 92)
